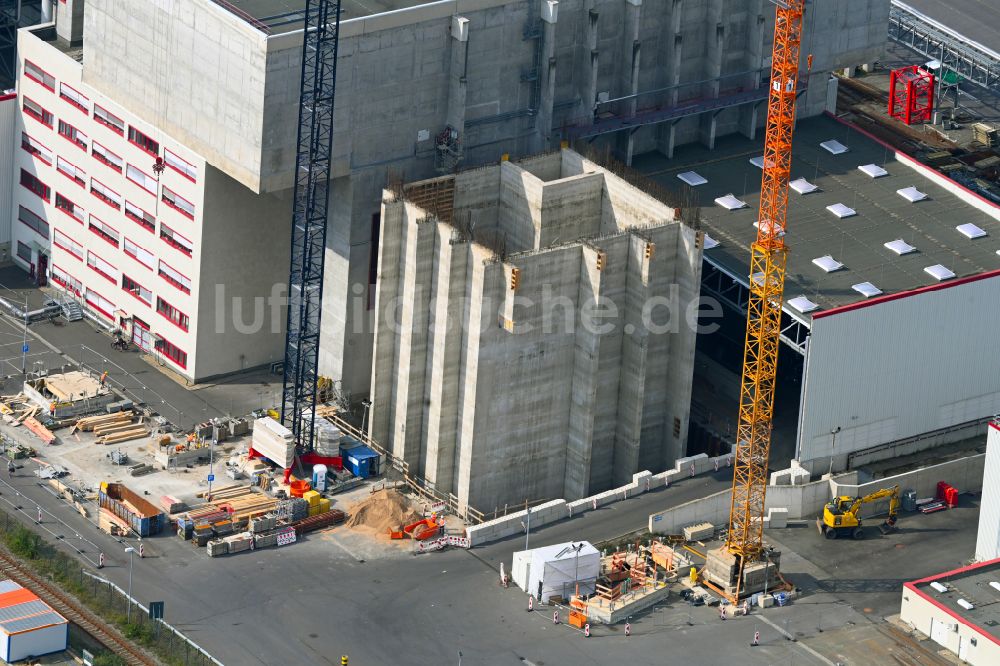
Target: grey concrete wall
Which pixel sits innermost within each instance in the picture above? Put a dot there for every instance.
(188, 67)
(241, 317)
(503, 396)
(507, 76)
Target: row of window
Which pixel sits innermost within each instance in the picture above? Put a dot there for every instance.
(105, 156)
(107, 308)
(106, 118)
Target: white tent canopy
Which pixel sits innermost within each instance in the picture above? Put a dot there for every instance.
(692, 178)
(556, 570)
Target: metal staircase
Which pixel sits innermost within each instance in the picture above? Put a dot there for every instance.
(71, 310)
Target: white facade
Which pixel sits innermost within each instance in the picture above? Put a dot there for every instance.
(943, 621)
(34, 643)
(906, 365)
(988, 540)
(144, 251)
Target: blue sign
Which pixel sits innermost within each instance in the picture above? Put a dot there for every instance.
(156, 610)
(24, 348)
(211, 477)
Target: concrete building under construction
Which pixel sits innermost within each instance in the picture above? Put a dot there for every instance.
(535, 330)
(212, 88)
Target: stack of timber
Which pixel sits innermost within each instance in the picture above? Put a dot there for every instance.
(43, 433)
(273, 441)
(112, 428)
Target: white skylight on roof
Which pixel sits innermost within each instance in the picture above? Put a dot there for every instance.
(757, 161)
(729, 202)
(900, 246)
(757, 225)
(828, 263)
(692, 178)
(710, 242)
(842, 211)
(757, 278)
(833, 146)
(802, 304)
(939, 272)
(803, 186)
(873, 170)
(911, 194)
(970, 230)
(866, 289)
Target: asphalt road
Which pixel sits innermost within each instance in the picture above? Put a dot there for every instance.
(979, 20)
(52, 345)
(315, 600)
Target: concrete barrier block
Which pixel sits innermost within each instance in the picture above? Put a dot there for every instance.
(777, 518)
(644, 474)
(781, 477)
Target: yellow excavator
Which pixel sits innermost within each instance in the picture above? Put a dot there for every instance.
(840, 515)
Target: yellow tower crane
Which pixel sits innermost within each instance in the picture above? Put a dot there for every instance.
(745, 540)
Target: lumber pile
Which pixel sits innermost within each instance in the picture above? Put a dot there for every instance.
(101, 421)
(43, 433)
(135, 432)
(112, 428)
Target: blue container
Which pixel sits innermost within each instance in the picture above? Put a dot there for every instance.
(360, 460)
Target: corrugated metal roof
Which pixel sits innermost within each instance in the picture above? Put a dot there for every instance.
(33, 622)
(8, 586)
(23, 610)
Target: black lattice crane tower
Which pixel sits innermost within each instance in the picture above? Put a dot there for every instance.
(309, 217)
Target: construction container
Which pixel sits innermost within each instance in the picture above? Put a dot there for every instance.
(29, 627)
(909, 500)
(360, 460)
(312, 497)
(319, 477)
(144, 518)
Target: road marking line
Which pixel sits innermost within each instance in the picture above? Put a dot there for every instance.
(797, 642)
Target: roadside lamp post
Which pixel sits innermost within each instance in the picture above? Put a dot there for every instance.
(128, 614)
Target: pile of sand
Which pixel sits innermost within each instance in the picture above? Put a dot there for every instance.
(384, 510)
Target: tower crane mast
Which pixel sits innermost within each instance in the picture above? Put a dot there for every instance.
(309, 217)
(767, 285)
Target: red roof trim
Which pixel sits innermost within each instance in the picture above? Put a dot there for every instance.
(912, 586)
(994, 424)
(4, 98)
(905, 294)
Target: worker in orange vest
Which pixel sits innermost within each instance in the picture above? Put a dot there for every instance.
(104, 377)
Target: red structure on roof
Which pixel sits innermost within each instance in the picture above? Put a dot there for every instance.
(911, 94)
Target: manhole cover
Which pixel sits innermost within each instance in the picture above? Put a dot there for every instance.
(900, 545)
(868, 610)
